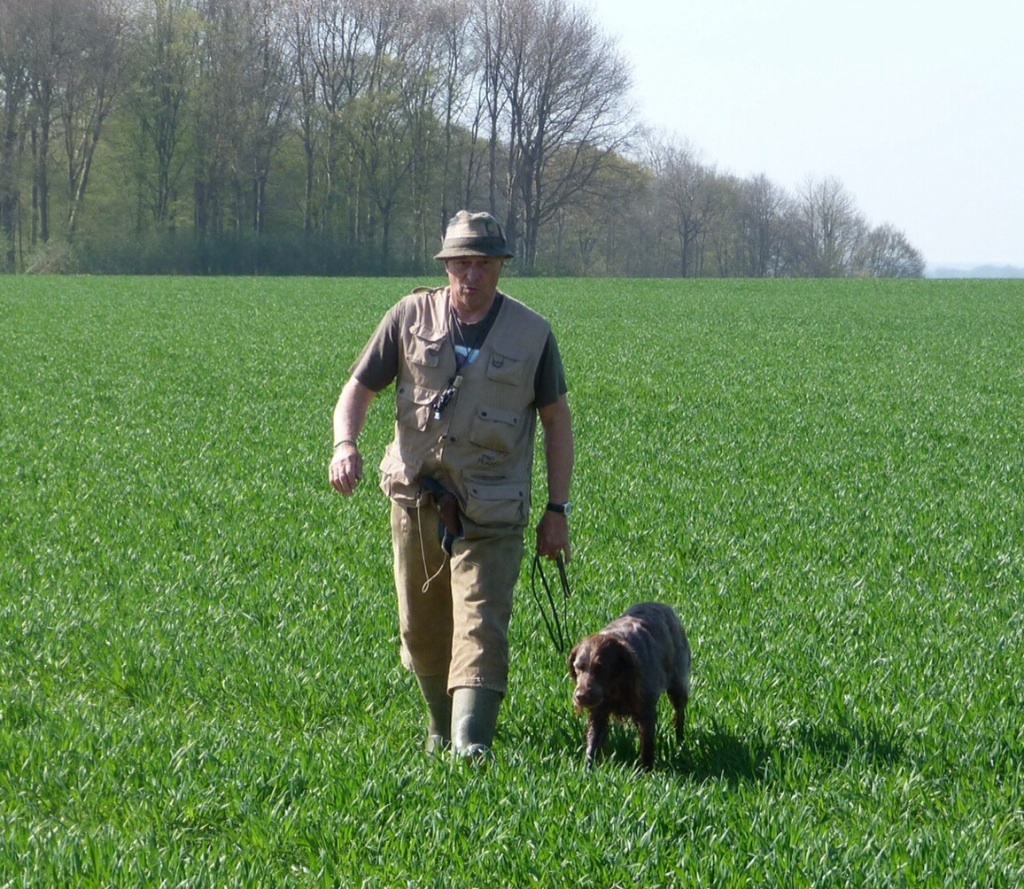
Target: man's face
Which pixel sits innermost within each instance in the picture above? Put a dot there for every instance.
(474, 279)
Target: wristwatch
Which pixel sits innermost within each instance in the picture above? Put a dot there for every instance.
(561, 508)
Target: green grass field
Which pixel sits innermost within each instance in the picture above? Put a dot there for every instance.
(199, 674)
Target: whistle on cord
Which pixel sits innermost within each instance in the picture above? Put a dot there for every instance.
(441, 402)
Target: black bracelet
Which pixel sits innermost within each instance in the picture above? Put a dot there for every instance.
(346, 441)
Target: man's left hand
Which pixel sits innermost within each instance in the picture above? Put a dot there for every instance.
(553, 536)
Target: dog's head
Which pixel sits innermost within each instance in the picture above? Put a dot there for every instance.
(605, 670)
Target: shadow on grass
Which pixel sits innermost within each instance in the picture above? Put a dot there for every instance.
(714, 753)
(703, 755)
(764, 756)
(873, 742)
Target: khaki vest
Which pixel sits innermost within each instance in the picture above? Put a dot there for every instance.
(481, 448)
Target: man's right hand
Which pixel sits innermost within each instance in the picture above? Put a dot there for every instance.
(346, 469)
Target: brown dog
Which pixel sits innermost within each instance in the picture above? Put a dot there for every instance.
(623, 670)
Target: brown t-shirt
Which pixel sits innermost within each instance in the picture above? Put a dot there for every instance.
(377, 365)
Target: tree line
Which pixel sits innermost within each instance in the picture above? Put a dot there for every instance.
(338, 136)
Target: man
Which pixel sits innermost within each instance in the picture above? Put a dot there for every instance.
(473, 369)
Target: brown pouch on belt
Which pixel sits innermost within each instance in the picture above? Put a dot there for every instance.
(448, 509)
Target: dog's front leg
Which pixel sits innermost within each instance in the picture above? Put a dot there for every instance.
(597, 736)
(646, 723)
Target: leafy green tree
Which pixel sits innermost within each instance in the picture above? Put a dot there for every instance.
(94, 84)
(165, 64)
(244, 93)
(15, 30)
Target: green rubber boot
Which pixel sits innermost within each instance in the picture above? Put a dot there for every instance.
(439, 705)
(474, 719)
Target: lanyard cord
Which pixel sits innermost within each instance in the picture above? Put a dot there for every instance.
(456, 328)
(481, 330)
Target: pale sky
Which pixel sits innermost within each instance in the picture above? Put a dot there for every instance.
(915, 106)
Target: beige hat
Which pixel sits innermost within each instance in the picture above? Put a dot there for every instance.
(473, 234)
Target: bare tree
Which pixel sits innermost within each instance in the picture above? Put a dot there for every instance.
(268, 86)
(244, 92)
(760, 213)
(561, 88)
(328, 41)
(886, 253)
(829, 230)
(491, 32)
(689, 194)
(447, 32)
(387, 122)
(301, 30)
(434, 91)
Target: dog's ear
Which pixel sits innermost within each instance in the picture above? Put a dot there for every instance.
(636, 673)
(627, 675)
(572, 661)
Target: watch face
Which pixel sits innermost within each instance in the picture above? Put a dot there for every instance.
(567, 508)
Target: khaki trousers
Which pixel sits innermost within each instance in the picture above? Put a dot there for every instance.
(458, 626)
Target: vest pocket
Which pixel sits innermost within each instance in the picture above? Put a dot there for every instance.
(503, 368)
(396, 479)
(413, 405)
(495, 429)
(424, 350)
(497, 504)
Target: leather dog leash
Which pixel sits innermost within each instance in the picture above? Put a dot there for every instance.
(556, 625)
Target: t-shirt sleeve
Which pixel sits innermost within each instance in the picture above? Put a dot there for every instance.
(377, 365)
(549, 383)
